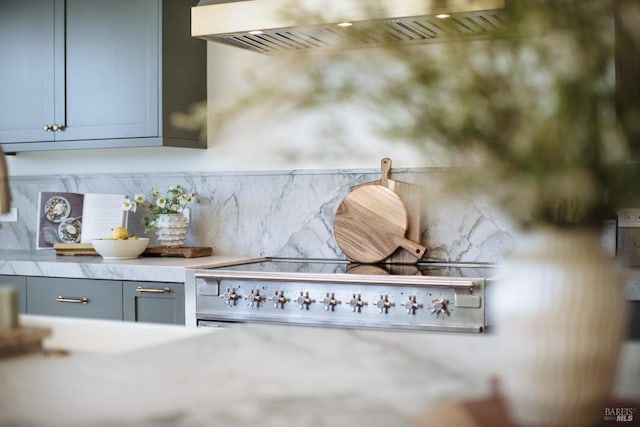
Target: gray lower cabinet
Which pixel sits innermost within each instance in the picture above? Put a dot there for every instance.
(86, 298)
(136, 301)
(20, 283)
(153, 302)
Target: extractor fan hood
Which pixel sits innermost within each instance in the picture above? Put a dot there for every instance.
(271, 26)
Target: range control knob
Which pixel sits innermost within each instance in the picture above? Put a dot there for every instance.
(279, 300)
(304, 301)
(231, 297)
(412, 305)
(356, 303)
(254, 299)
(440, 307)
(330, 301)
(383, 304)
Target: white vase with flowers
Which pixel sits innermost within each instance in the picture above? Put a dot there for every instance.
(167, 214)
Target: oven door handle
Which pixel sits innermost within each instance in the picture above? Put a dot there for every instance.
(462, 283)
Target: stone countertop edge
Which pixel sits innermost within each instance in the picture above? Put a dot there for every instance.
(155, 269)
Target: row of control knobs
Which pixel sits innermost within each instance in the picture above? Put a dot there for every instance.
(439, 307)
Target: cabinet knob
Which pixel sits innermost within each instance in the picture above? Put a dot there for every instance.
(53, 128)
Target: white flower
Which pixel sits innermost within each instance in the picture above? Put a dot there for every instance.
(128, 205)
(174, 200)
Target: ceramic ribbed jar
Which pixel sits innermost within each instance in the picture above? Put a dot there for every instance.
(561, 317)
(171, 230)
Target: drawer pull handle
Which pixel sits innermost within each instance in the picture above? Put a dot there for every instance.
(153, 291)
(73, 300)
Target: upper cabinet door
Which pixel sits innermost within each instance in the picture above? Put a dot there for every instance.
(112, 73)
(27, 75)
(77, 74)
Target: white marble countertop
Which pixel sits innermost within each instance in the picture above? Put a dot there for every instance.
(260, 375)
(163, 269)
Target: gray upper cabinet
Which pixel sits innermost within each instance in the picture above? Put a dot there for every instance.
(27, 69)
(111, 71)
(97, 74)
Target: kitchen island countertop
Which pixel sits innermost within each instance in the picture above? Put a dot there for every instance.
(162, 269)
(261, 375)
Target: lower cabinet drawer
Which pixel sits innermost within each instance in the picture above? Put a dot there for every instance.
(153, 302)
(97, 299)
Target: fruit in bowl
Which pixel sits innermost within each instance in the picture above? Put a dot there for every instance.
(120, 233)
(129, 248)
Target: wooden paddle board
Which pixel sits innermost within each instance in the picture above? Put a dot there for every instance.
(371, 223)
(411, 196)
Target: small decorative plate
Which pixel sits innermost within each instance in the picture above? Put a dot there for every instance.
(69, 230)
(57, 209)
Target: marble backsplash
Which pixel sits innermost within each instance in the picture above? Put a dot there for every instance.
(278, 213)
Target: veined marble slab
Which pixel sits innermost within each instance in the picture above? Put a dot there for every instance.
(260, 375)
(155, 269)
(279, 213)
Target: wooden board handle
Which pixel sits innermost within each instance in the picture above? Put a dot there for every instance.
(414, 248)
(385, 167)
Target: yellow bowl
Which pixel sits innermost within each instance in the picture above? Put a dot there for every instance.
(120, 249)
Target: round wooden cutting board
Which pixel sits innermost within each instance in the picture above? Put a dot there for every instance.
(370, 224)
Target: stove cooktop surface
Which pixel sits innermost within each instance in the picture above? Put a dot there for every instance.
(325, 266)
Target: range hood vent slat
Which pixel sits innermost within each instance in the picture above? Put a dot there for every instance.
(488, 18)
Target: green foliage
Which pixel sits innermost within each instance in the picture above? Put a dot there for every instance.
(529, 118)
(174, 201)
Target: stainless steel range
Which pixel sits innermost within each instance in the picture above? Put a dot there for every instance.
(424, 296)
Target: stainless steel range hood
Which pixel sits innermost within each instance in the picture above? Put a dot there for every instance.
(271, 26)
